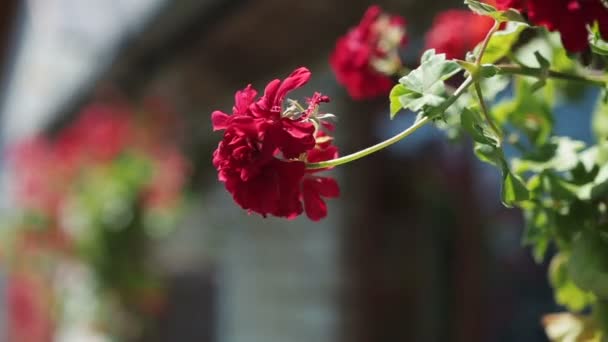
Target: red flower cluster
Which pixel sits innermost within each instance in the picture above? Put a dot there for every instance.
(99, 135)
(29, 308)
(569, 17)
(262, 157)
(455, 32)
(368, 54)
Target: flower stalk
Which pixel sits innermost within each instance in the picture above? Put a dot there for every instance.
(514, 69)
(386, 143)
(478, 91)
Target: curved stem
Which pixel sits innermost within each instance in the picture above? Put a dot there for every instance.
(513, 69)
(486, 41)
(371, 149)
(482, 102)
(413, 128)
(486, 114)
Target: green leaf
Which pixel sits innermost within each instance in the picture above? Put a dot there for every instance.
(559, 188)
(434, 69)
(480, 7)
(598, 45)
(501, 42)
(559, 154)
(513, 189)
(599, 123)
(566, 292)
(397, 91)
(470, 122)
(489, 10)
(596, 189)
(537, 233)
(423, 90)
(588, 264)
(529, 113)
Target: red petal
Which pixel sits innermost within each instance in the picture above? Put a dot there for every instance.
(243, 99)
(315, 207)
(328, 187)
(297, 79)
(219, 120)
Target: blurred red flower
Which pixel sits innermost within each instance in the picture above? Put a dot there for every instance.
(455, 32)
(29, 312)
(168, 179)
(38, 182)
(365, 58)
(260, 158)
(569, 17)
(45, 168)
(99, 134)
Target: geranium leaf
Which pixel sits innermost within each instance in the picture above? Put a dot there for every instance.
(598, 45)
(501, 42)
(423, 90)
(491, 11)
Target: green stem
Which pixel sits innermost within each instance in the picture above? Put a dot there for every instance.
(482, 102)
(486, 114)
(486, 42)
(375, 148)
(513, 69)
(371, 149)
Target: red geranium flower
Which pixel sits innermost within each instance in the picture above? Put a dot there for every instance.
(99, 134)
(505, 4)
(455, 32)
(38, 179)
(315, 187)
(367, 55)
(569, 17)
(29, 314)
(261, 157)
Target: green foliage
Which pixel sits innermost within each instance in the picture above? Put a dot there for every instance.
(502, 41)
(598, 45)
(488, 149)
(482, 8)
(599, 123)
(588, 264)
(559, 183)
(530, 114)
(566, 292)
(423, 89)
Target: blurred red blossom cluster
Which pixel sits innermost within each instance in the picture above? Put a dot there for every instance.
(569, 17)
(366, 57)
(45, 168)
(30, 308)
(266, 144)
(48, 173)
(455, 32)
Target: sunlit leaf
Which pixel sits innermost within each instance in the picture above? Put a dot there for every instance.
(423, 90)
(491, 11)
(501, 42)
(588, 263)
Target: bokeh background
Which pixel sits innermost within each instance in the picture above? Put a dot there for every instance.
(418, 246)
